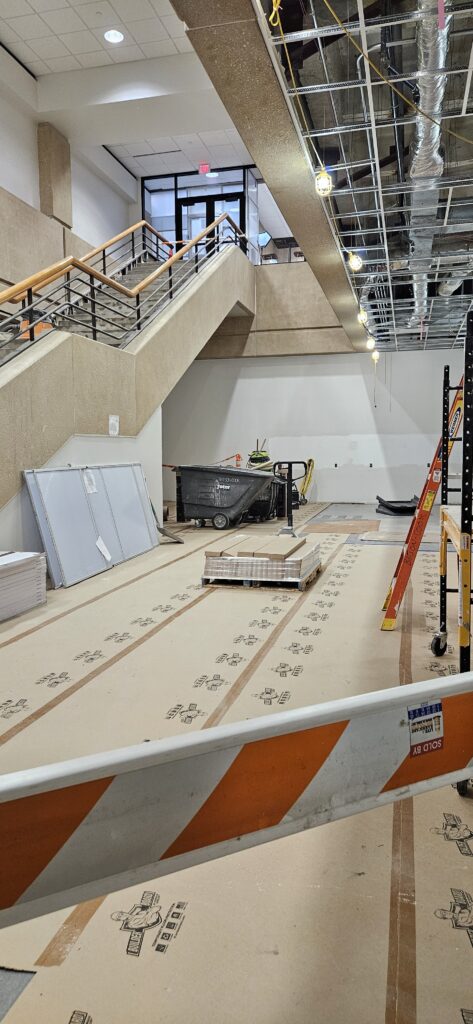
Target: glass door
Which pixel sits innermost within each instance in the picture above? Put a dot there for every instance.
(194, 214)
(191, 219)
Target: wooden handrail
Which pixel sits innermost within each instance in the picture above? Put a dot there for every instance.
(50, 274)
(17, 292)
(123, 234)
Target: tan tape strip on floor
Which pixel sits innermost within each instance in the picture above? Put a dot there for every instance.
(67, 935)
(99, 597)
(65, 694)
(401, 996)
(255, 662)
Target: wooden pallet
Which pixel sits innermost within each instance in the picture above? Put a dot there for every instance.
(263, 561)
(232, 584)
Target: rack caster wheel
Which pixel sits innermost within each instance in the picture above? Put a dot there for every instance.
(199, 523)
(439, 645)
(462, 787)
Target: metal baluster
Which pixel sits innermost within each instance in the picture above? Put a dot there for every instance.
(138, 312)
(92, 307)
(104, 261)
(143, 240)
(30, 313)
(196, 258)
(68, 289)
(133, 246)
(170, 292)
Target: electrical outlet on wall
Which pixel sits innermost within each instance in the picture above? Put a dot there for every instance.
(113, 425)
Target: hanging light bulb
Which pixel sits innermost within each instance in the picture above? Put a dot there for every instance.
(355, 261)
(375, 356)
(362, 316)
(370, 343)
(323, 183)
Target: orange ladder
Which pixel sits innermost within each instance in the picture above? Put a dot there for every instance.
(452, 419)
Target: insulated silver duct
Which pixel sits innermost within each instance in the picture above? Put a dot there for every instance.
(454, 280)
(365, 304)
(426, 165)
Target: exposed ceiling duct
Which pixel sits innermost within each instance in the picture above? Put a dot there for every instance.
(365, 303)
(454, 280)
(426, 165)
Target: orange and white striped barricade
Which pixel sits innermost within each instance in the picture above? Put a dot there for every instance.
(76, 830)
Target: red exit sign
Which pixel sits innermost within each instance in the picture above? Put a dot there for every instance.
(204, 168)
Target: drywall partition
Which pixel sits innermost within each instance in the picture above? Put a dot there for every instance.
(18, 146)
(315, 405)
(98, 210)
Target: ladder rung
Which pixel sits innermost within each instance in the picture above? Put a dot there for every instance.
(454, 490)
(452, 590)
(452, 440)
(459, 387)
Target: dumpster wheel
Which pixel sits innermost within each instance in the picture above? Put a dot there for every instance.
(220, 521)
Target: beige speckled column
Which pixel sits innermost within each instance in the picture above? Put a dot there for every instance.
(228, 40)
(54, 162)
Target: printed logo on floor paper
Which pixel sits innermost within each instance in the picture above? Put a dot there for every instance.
(146, 915)
(80, 1017)
(460, 912)
(270, 696)
(454, 830)
(186, 715)
(425, 727)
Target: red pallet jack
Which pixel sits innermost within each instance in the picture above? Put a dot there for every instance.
(452, 417)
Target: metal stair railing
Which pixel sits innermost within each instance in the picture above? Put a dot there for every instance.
(89, 295)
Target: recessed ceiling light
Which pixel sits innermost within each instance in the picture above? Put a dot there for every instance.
(211, 174)
(113, 36)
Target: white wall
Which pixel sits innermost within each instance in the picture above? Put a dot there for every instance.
(319, 406)
(19, 152)
(18, 530)
(99, 211)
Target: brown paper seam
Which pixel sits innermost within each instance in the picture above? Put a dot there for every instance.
(65, 694)
(401, 995)
(100, 597)
(249, 671)
(68, 934)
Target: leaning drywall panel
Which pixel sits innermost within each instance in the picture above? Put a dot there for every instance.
(71, 531)
(91, 517)
(128, 504)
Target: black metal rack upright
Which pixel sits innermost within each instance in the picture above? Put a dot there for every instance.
(456, 526)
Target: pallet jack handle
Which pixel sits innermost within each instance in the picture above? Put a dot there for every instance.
(286, 469)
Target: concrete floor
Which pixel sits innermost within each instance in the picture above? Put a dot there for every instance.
(308, 924)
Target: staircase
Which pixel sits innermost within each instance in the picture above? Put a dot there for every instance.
(114, 292)
(57, 382)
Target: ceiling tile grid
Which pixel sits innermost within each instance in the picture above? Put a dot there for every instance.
(182, 153)
(66, 35)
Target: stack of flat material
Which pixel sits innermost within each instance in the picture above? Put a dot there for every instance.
(22, 582)
(282, 559)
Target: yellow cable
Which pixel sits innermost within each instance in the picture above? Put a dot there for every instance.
(275, 21)
(410, 103)
(273, 17)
